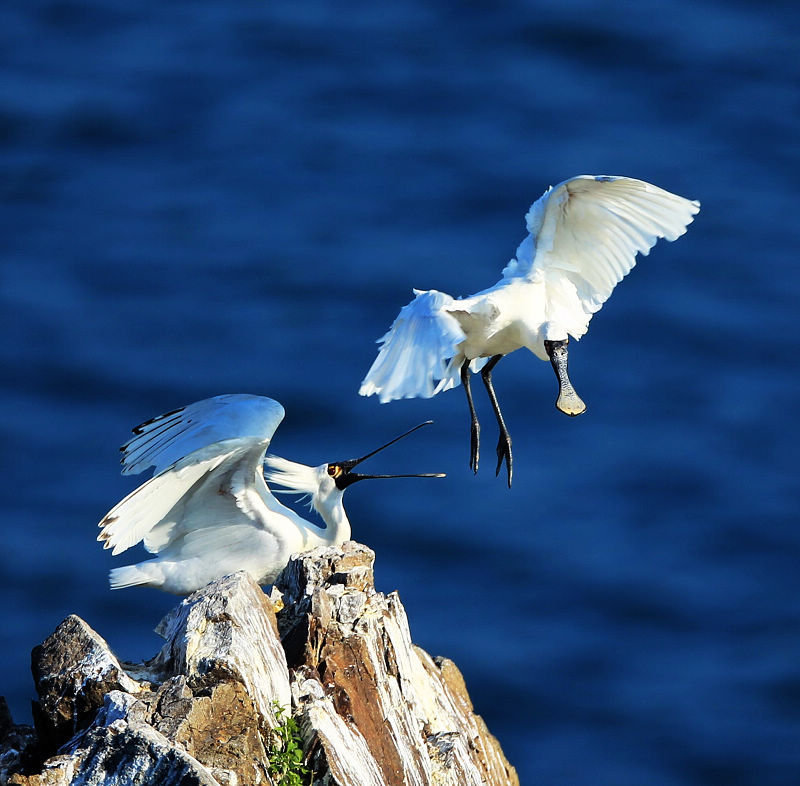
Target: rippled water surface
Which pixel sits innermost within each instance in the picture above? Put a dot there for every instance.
(210, 197)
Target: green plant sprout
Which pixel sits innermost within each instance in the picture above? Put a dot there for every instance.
(285, 752)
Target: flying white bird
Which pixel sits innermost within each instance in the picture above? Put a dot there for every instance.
(583, 238)
(208, 511)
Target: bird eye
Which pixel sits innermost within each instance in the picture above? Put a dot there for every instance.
(334, 470)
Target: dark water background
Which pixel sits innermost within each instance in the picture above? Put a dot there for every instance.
(214, 197)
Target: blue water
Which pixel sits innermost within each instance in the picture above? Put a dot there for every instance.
(211, 197)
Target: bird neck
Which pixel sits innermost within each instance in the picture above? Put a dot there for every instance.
(337, 525)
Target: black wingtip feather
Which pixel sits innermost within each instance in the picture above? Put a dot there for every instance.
(142, 426)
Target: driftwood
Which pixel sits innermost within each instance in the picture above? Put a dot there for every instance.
(371, 707)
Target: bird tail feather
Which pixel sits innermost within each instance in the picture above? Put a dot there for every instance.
(414, 358)
(131, 576)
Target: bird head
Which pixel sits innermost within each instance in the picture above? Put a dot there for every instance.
(326, 483)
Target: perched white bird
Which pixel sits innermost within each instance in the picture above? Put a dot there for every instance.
(207, 511)
(583, 238)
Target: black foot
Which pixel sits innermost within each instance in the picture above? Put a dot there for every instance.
(504, 454)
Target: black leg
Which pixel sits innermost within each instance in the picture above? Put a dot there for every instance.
(475, 427)
(504, 442)
(569, 402)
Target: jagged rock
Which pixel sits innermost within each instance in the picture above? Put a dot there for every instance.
(72, 671)
(120, 749)
(417, 723)
(18, 745)
(371, 708)
(227, 632)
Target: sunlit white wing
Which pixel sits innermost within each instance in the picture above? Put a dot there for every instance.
(412, 361)
(211, 487)
(584, 237)
(168, 438)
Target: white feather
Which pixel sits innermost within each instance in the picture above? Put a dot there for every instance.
(414, 354)
(588, 231)
(583, 238)
(168, 438)
(208, 511)
(323, 495)
(295, 478)
(132, 575)
(153, 503)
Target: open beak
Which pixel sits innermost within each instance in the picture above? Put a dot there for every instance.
(342, 471)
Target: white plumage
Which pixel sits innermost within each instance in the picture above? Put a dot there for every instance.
(208, 511)
(583, 237)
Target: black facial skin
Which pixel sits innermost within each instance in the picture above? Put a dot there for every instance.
(343, 476)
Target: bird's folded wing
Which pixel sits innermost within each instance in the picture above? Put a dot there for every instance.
(414, 354)
(224, 540)
(585, 234)
(168, 438)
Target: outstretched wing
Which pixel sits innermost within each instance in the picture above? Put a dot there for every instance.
(207, 457)
(214, 487)
(168, 438)
(161, 500)
(415, 352)
(584, 237)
